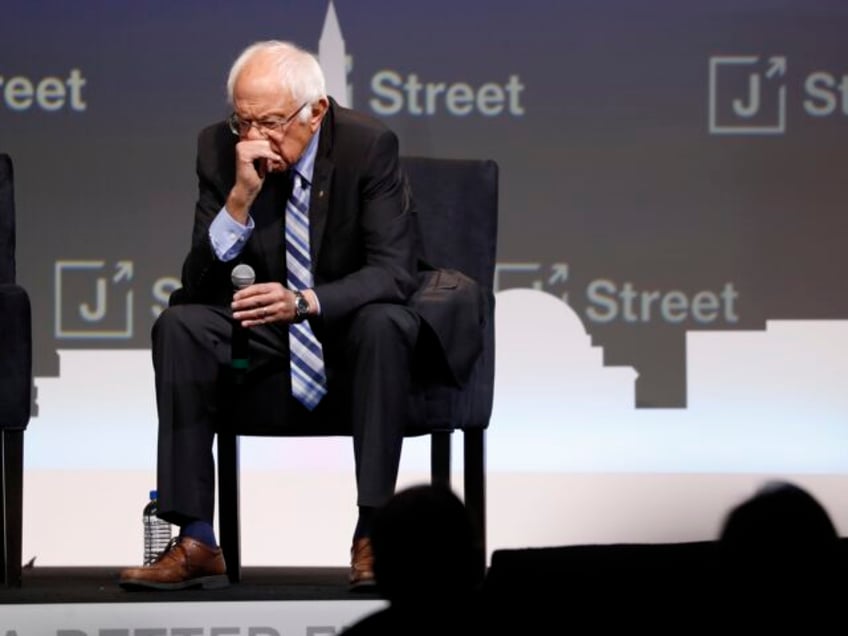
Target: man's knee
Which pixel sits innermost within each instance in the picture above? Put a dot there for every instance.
(170, 321)
(380, 322)
(184, 323)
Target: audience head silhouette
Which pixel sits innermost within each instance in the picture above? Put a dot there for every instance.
(782, 528)
(425, 547)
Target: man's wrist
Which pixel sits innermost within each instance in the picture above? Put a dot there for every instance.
(237, 206)
(312, 299)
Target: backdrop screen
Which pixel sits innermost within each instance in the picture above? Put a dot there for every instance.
(670, 283)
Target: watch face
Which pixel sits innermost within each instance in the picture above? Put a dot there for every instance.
(301, 306)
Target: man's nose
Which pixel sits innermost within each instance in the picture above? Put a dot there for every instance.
(254, 132)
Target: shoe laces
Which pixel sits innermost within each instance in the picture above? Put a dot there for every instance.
(173, 543)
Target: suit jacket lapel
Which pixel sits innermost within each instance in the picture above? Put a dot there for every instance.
(322, 174)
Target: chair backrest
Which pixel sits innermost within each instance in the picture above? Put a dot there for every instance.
(456, 203)
(7, 221)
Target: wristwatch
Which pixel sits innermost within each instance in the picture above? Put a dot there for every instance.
(301, 307)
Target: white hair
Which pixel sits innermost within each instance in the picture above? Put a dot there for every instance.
(298, 70)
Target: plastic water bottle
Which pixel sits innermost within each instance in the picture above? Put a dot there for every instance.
(157, 532)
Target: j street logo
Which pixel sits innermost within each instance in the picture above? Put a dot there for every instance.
(750, 94)
(747, 95)
(93, 299)
(606, 300)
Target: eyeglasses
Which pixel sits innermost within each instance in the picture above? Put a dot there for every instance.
(241, 127)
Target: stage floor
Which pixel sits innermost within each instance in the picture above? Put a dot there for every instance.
(76, 601)
(100, 585)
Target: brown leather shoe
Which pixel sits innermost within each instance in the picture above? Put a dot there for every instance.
(361, 564)
(186, 562)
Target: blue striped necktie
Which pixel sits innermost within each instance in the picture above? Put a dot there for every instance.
(308, 378)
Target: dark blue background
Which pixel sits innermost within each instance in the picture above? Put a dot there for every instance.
(611, 169)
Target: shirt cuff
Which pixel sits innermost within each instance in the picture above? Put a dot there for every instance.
(228, 236)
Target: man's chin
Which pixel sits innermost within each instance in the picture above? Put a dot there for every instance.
(277, 166)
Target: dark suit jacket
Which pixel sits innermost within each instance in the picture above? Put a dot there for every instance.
(362, 232)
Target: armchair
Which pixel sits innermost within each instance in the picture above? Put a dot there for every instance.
(15, 384)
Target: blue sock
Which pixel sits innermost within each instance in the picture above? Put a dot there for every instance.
(200, 530)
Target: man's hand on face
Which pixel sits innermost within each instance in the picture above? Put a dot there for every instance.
(254, 159)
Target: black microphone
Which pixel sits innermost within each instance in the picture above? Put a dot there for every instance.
(241, 277)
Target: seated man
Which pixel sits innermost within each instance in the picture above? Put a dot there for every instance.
(311, 196)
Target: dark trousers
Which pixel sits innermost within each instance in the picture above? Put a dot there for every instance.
(368, 363)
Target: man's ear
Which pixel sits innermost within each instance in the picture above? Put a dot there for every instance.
(319, 109)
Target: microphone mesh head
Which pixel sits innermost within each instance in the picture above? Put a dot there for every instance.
(242, 276)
